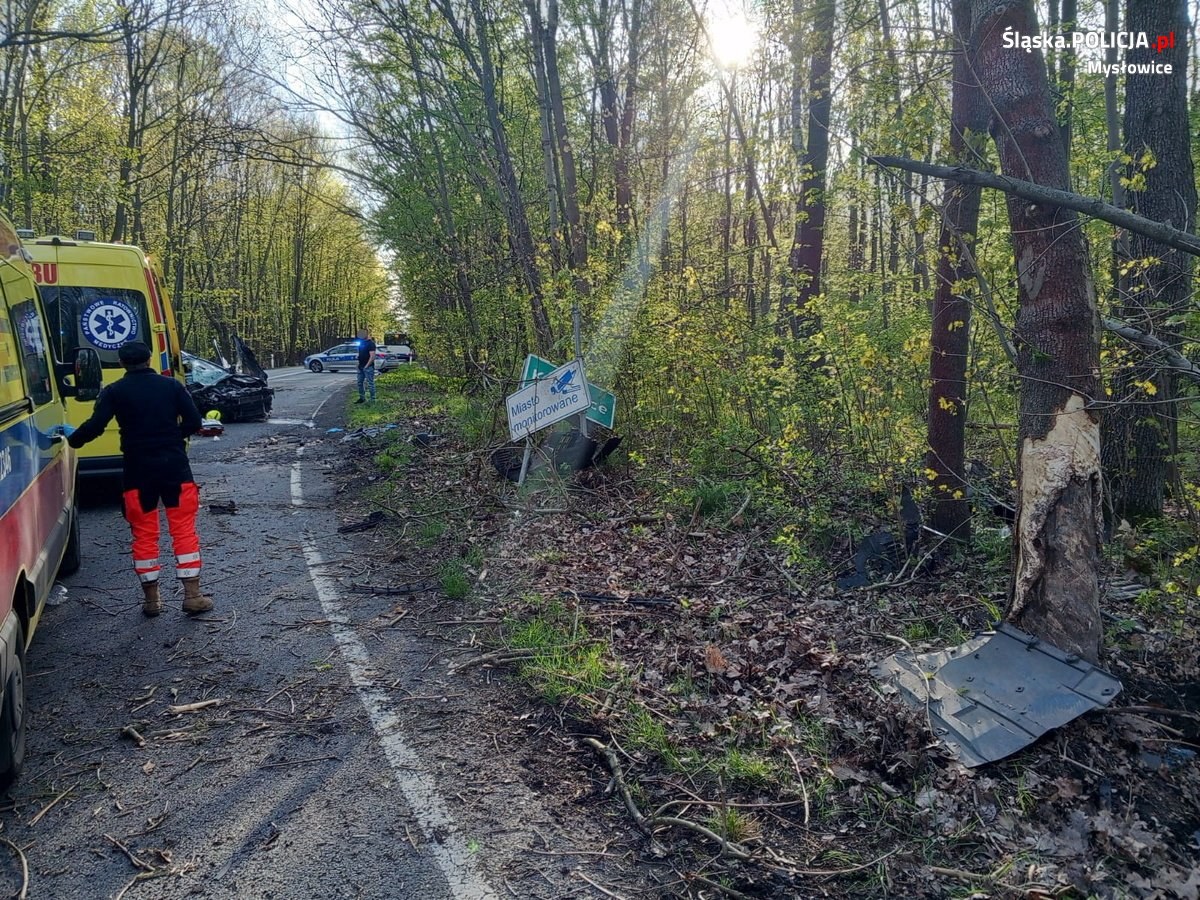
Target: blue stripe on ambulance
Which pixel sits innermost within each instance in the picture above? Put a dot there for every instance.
(23, 456)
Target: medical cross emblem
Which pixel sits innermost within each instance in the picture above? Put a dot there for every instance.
(109, 323)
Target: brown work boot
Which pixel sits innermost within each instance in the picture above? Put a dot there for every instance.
(152, 603)
(193, 601)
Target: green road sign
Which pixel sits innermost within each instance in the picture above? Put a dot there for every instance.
(603, 410)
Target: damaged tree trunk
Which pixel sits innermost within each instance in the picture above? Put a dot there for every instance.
(1055, 586)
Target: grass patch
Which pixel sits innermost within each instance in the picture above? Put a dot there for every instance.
(395, 454)
(709, 497)
(455, 582)
(746, 767)
(429, 533)
(734, 825)
(566, 663)
(941, 630)
(644, 732)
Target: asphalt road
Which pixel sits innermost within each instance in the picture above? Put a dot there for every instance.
(300, 781)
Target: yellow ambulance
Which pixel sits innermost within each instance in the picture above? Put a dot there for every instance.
(99, 296)
(39, 521)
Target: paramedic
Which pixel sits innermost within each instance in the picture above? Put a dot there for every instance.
(155, 415)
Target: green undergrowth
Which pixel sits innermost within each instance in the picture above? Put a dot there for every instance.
(693, 745)
(414, 399)
(560, 659)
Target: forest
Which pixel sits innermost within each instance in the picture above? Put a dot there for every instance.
(826, 253)
(825, 249)
(158, 124)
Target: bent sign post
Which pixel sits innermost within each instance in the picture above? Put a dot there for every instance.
(559, 395)
(602, 408)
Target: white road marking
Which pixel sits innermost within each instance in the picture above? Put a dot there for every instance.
(445, 843)
(320, 406)
(271, 378)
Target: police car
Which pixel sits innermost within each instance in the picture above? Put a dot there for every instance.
(345, 356)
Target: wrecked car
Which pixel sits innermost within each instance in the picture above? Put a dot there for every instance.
(236, 396)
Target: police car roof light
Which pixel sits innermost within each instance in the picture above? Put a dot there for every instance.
(25, 233)
(82, 235)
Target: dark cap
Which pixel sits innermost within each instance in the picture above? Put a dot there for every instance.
(134, 353)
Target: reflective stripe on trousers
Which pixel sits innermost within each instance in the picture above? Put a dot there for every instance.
(181, 522)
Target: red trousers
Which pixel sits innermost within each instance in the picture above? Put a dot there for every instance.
(181, 521)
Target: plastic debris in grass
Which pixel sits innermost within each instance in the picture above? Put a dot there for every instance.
(998, 692)
(366, 432)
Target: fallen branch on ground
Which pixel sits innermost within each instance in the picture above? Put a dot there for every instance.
(194, 707)
(132, 733)
(137, 861)
(24, 891)
(413, 587)
(647, 824)
(498, 656)
(1154, 711)
(49, 806)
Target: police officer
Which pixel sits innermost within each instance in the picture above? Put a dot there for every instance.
(155, 416)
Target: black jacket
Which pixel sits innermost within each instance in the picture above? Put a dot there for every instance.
(155, 415)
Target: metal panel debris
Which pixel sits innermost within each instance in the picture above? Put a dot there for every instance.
(998, 692)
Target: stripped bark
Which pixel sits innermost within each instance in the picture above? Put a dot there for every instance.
(1055, 586)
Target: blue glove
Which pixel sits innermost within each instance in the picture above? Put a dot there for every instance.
(63, 430)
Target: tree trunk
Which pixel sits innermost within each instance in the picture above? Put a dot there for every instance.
(521, 237)
(446, 218)
(617, 117)
(950, 335)
(537, 42)
(569, 188)
(1140, 432)
(1055, 589)
(808, 237)
(1066, 75)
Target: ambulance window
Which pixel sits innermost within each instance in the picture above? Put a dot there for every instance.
(13, 399)
(27, 322)
(101, 319)
(12, 388)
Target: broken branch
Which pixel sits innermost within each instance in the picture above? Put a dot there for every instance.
(1036, 193)
(499, 656)
(1153, 345)
(648, 824)
(49, 806)
(137, 861)
(132, 733)
(194, 707)
(24, 891)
